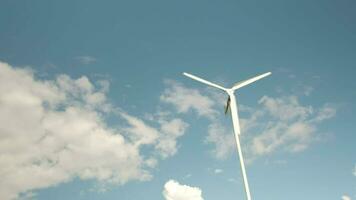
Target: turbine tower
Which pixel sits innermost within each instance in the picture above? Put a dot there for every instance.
(231, 103)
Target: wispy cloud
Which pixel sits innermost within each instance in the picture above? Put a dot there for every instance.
(282, 123)
(185, 99)
(218, 171)
(171, 129)
(176, 191)
(187, 176)
(232, 180)
(287, 125)
(308, 90)
(354, 172)
(222, 139)
(86, 60)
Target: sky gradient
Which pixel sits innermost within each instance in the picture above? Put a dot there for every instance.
(93, 103)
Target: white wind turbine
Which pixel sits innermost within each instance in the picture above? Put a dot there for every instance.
(231, 103)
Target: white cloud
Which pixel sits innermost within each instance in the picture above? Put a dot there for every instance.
(47, 125)
(175, 191)
(288, 125)
(185, 99)
(345, 197)
(326, 112)
(218, 171)
(276, 123)
(223, 140)
(53, 131)
(354, 172)
(285, 108)
(187, 176)
(138, 131)
(86, 60)
(171, 130)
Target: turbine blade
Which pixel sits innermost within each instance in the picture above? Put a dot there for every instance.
(203, 81)
(249, 81)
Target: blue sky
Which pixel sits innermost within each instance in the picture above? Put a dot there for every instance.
(94, 104)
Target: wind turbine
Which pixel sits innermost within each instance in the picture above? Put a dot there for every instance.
(231, 103)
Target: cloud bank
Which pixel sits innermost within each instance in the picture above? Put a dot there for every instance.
(175, 191)
(53, 131)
